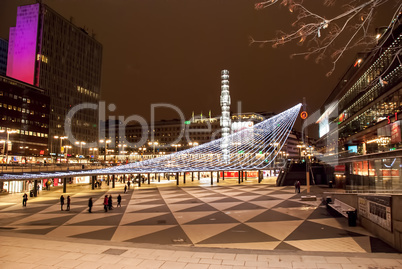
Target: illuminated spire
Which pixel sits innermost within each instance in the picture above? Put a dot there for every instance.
(225, 118)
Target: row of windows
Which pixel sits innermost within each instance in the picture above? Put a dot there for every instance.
(379, 67)
(16, 97)
(24, 121)
(30, 133)
(22, 110)
(372, 94)
(376, 113)
(87, 92)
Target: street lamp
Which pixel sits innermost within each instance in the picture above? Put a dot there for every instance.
(193, 144)
(61, 144)
(67, 147)
(106, 142)
(176, 146)
(4, 146)
(7, 142)
(80, 143)
(122, 146)
(153, 144)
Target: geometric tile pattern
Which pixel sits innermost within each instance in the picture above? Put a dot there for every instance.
(256, 216)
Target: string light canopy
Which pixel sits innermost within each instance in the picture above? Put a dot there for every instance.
(253, 148)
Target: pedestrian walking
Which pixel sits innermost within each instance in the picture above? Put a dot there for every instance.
(125, 188)
(105, 202)
(119, 200)
(110, 202)
(68, 203)
(62, 202)
(298, 186)
(128, 184)
(90, 205)
(24, 199)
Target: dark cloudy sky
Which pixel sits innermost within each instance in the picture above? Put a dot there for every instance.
(172, 51)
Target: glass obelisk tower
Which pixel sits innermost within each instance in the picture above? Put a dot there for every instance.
(225, 118)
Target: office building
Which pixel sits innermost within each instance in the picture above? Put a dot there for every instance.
(360, 126)
(49, 52)
(24, 114)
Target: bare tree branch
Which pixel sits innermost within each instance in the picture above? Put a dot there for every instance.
(332, 37)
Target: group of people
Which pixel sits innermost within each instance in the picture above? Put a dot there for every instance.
(62, 202)
(108, 202)
(125, 186)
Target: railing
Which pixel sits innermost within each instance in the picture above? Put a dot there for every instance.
(374, 191)
(32, 168)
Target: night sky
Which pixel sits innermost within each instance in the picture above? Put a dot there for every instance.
(172, 51)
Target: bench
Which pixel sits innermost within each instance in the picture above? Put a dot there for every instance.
(345, 210)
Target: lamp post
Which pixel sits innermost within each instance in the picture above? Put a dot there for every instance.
(153, 144)
(67, 147)
(7, 142)
(122, 146)
(193, 144)
(61, 144)
(106, 142)
(80, 143)
(176, 146)
(4, 146)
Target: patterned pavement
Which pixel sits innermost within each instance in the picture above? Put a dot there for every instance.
(254, 216)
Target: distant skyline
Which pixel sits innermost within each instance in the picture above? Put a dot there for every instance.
(173, 52)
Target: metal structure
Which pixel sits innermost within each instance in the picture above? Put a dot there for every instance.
(254, 148)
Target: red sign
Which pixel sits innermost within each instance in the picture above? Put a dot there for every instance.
(396, 132)
(303, 115)
(339, 168)
(42, 152)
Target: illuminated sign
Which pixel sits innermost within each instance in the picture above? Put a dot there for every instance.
(187, 122)
(304, 115)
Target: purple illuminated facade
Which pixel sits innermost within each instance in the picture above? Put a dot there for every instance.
(48, 51)
(22, 44)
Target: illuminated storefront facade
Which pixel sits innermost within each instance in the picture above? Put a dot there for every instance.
(360, 126)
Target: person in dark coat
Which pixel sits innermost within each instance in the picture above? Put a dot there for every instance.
(62, 202)
(105, 202)
(24, 199)
(110, 202)
(90, 205)
(125, 188)
(128, 184)
(119, 200)
(68, 203)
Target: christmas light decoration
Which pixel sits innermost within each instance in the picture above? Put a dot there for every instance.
(253, 148)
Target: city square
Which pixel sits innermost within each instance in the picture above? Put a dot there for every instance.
(180, 134)
(207, 227)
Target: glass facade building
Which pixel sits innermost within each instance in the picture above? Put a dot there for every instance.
(50, 52)
(360, 126)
